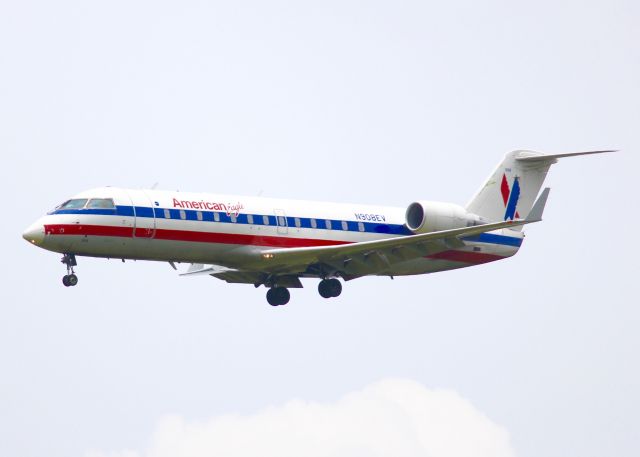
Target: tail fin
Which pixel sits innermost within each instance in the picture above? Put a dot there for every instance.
(512, 188)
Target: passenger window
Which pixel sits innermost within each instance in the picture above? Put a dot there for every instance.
(102, 203)
(216, 217)
(345, 226)
(361, 226)
(314, 224)
(167, 214)
(199, 215)
(183, 214)
(297, 222)
(234, 218)
(250, 218)
(265, 220)
(74, 204)
(327, 222)
(282, 221)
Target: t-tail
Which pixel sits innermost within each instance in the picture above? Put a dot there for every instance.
(512, 188)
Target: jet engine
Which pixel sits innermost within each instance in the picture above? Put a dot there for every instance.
(425, 217)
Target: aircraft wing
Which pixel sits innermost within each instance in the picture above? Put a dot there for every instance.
(374, 257)
(234, 276)
(356, 259)
(351, 260)
(366, 257)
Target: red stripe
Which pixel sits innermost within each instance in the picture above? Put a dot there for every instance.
(79, 229)
(253, 240)
(185, 235)
(465, 256)
(504, 188)
(234, 238)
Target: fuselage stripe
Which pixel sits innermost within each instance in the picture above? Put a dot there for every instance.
(189, 236)
(241, 239)
(291, 222)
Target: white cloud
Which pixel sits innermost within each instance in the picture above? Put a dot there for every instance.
(394, 417)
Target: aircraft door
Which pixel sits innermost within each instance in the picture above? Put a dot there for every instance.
(281, 221)
(143, 211)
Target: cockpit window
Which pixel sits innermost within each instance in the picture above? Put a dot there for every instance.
(74, 204)
(102, 203)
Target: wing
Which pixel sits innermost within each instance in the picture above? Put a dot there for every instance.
(375, 257)
(369, 257)
(232, 275)
(356, 259)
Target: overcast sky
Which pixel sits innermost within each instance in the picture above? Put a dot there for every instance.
(351, 101)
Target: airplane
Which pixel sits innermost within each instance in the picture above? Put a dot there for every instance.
(275, 242)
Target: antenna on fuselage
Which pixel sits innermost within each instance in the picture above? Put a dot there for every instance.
(154, 186)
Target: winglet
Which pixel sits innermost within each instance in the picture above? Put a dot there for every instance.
(535, 215)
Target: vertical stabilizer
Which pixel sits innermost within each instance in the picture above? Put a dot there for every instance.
(510, 191)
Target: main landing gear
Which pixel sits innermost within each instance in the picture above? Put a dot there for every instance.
(329, 288)
(278, 296)
(70, 279)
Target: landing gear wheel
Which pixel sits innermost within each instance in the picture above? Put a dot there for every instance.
(278, 296)
(70, 279)
(336, 287)
(329, 288)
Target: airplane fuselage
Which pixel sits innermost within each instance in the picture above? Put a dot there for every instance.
(276, 242)
(229, 230)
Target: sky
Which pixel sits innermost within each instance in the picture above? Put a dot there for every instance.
(351, 101)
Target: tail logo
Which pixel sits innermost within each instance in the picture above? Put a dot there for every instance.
(510, 197)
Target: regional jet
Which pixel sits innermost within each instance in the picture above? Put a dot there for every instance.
(275, 242)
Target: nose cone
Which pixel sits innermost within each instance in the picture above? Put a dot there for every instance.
(34, 234)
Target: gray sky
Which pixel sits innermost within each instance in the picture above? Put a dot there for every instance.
(371, 102)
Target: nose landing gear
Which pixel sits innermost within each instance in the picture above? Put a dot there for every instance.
(70, 279)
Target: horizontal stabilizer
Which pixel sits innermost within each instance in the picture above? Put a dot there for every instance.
(530, 156)
(511, 189)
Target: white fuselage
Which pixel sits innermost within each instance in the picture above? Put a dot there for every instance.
(229, 230)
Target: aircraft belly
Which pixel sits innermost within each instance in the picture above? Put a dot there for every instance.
(161, 250)
(474, 254)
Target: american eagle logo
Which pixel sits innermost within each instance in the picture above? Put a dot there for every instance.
(510, 197)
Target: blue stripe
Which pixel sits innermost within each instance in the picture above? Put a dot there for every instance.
(513, 200)
(120, 211)
(142, 211)
(305, 222)
(492, 238)
(99, 211)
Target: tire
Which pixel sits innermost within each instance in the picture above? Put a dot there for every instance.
(72, 280)
(278, 296)
(329, 288)
(324, 289)
(65, 280)
(283, 295)
(335, 287)
(272, 298)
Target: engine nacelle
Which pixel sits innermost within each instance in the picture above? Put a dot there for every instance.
(425, 217)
